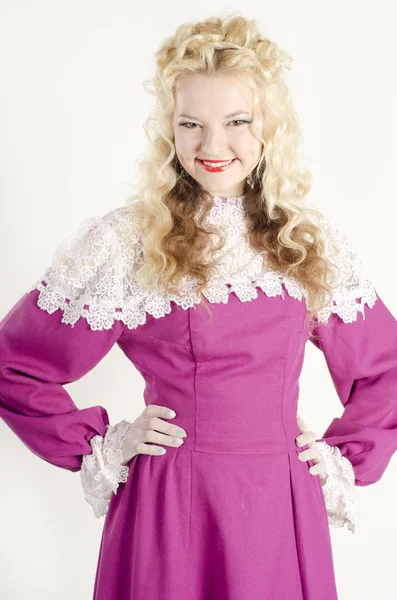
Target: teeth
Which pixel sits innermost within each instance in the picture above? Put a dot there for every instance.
(210, 164)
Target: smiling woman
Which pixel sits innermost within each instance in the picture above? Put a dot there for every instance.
(218, 332)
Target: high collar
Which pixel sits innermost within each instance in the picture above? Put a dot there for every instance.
(227, 210)
(233, 200)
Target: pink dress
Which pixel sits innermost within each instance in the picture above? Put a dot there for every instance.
(232, 514)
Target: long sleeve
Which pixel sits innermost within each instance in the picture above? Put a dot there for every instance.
(103, 470)
(338, 489)
(358, 336)
(57, 332)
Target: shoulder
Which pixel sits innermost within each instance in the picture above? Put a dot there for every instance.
(124, 220)
(89, 266)
(352, 289)
(99, 242)
(342, 252)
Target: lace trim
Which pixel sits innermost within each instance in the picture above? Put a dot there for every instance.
(339, 489)
(94, 272)
(352, 285)
(102, 471)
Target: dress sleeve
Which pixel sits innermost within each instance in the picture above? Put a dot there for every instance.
(58, 331)
(357, 334)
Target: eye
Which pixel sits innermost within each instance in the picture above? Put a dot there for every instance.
(240, 121)
(189, 123)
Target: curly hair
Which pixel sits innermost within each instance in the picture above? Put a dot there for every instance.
(279, 219)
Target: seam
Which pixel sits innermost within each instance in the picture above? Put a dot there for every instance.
(190, 498)
(194, 377)
(232, 453)
(286, 358)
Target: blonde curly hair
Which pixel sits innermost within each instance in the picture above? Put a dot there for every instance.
(279, 220)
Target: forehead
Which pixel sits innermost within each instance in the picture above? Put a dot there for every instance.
(212, 96)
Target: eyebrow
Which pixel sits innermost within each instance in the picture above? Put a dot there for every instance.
(234, 114)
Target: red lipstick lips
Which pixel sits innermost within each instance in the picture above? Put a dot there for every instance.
(216, 169)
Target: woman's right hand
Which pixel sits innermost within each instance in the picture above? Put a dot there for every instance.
(149, 427)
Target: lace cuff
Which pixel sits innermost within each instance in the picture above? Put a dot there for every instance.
(339, 488)
(102, 471)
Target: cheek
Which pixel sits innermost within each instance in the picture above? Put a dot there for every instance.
(253, 147)
(250, 149)
(184, 144)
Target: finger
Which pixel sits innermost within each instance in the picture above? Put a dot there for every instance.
(163, 427)
(155, 410)
(143, 448)
(318, 469)
(306, 438)
(319, 462)
(155, 437)
(309, 454)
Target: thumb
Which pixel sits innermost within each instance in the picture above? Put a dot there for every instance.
(301, 423)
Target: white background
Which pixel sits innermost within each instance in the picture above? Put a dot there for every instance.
(72, 108)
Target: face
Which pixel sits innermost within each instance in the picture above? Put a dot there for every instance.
(213, 121)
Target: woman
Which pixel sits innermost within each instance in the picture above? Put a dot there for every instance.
(211, 280)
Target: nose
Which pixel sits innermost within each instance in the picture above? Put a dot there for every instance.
(213, 144)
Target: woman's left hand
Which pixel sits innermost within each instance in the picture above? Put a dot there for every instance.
(312, 453)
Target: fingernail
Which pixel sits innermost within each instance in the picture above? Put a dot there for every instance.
(172, 413)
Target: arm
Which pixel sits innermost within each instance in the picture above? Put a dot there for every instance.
(50, 338)
(359, 343)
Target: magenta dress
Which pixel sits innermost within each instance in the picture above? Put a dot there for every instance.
(232, 514)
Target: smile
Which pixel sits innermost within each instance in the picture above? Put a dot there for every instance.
(214, 166)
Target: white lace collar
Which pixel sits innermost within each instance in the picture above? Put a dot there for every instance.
(93, 273)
